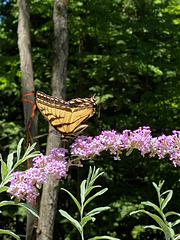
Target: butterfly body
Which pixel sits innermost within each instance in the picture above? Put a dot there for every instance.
(66, 117)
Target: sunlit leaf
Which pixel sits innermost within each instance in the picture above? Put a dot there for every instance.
(72, 220)
(10, 161)
(3, 169)
(73, 198)
(9, 232)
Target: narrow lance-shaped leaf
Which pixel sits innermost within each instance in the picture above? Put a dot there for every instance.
(167, 199)
(97, 211)
(153, 227)
(9, 232)
(103, 237)
(172, 213)
(150, 204)
(30, 209)
(29, 149)
(3, 189)
(175, 222)
(91, 188)
(72, 220)
(6, 203)
(96, 176)
(86, 219)
(3, 169)
(158, 189)
(19, 146)
(89, 175)
(6, 180)
(82, 191)
(74, 199)
(155, 185)
(10, 161)
(158, 220)
(95, 195)
(34, 154)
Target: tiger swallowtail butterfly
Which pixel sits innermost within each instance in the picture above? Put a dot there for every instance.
(66, 117)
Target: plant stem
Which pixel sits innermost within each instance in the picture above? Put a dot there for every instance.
(82, 234)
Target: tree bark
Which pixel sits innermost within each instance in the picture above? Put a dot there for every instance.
(49, 199)
(30, 117)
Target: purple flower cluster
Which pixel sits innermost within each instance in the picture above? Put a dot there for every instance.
(25, 185)
(86, 147)
(168, 145)
(141, 139)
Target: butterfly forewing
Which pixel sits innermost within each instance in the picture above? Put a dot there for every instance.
(66, 117)
(81, 103)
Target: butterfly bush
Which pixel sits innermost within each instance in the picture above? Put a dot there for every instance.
(86, 147)
(25, 185)
(141, 139)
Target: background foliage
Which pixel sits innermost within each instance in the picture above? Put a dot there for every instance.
(128, 53)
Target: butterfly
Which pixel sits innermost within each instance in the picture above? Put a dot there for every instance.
(66, 117)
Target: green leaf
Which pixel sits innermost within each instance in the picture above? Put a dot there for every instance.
(95, 195)
(103, 237)
(172, 213)
(32, 155)
(3, 169)
(163, 226)
(150, 204)
(72, 220)
(82, 191)
(30, 209)
(90, 189)
(167, 199)
(97, 175)
(86, 219)
(8, 176)
(134, 212)
(153, 227)
(10, 161)
(19, 146)
(3, 189)
(89, 175)
(6, 203)
(175, 222)
(19, 162)
(159, 186)
(155, 185)
(172, 233)
(94, 176)
(29, 149)
(97, 211)
(74, 199)
(9, 232)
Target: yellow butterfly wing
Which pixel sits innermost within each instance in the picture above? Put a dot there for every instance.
(66, 117)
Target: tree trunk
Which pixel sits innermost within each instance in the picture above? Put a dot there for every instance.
(48, 205)
(28, 90)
